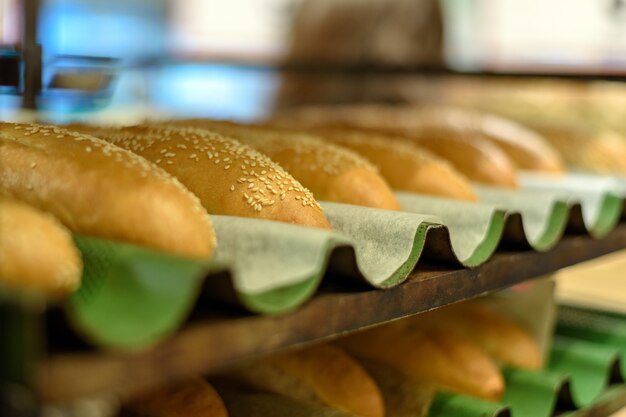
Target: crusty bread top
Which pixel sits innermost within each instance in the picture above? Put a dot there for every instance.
(96, 188)
(332, 172)
(405, 165)
(36, 251)
(229, 177)
(525, 147)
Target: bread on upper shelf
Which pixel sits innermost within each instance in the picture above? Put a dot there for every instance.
(586, 148)
(98, 189)
(229, 177)
(471, 152)
(331, 172)
(406, 166)
(36, 251)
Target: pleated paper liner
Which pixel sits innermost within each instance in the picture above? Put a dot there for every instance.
(133, 297)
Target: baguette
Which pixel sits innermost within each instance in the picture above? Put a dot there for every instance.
(502, 339)
(228, 177)
(602, 152)
(192, 398)
(331, 172)
(472, 154)
(98, 189)
(527, 149)
(36, 251)
(322, 375)
(430, 355)
(406, 166)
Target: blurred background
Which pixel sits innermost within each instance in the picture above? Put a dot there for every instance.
(242, 58)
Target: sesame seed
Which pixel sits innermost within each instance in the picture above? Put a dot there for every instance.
(232, 188)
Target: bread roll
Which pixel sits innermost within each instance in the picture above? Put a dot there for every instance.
(228, 177)
(526, 148)
(430, 355)
(192, 398)
(320, 375)
(98, 189)
(406, 166)
(331, 172)
(36, 251)
(502, 339)
(472, 154)
(602, 152)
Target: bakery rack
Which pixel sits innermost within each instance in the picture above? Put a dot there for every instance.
(217, 337)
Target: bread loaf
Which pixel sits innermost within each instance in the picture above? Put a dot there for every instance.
(98, 189)
(527, 149)
(602, 152)
(502, 339)
(331, 172)
(192, 398)
(36, 251)
(406, 166)
(470, 153)
(320, 375)
(430, 355)
(228, 177)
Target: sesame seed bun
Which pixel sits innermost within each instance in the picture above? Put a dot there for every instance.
(101, 190)
(228, 177)
(331, 172)
(36, 251)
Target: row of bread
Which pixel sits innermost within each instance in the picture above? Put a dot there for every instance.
(392, 370)
(584, 121)
(153, 184)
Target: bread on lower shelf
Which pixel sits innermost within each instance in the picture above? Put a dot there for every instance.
(36, 251)
(192, 398)
(98, 189)
(501, 338)
(323, 375)
(430, 354)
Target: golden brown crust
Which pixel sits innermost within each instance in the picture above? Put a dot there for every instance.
(406, 166)
(36, 251)
(192, 398)
(319, 375)
(331, 172)
(595, 151)
(228, 177)
(99, 189)
(472, 154)
(432, 355)
(501, 338)
(526, 148)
